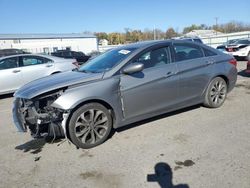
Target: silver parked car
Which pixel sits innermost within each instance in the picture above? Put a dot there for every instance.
(124, 85)
(17, 70)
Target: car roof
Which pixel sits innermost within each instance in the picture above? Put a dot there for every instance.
(143, 44)
(40, 55)
(6, 49)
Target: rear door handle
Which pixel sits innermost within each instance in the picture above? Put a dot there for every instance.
(49, 65)
(16, 71)
(209, 62)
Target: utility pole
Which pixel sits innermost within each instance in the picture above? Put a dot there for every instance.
(154, 33)
(216, 24)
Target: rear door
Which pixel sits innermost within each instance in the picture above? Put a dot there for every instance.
(194, 69)
(153, 89)
(34, 67)
(10, 75)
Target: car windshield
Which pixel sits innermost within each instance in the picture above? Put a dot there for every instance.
(106, 61)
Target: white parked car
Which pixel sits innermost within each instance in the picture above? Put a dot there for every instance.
(241, 48)
(17, 70)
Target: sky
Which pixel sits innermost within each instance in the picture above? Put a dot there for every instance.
(75, 16)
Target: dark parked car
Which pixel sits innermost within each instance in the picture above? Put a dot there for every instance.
(79, 56)
(11, 51)
(193, 39)
(122, 86)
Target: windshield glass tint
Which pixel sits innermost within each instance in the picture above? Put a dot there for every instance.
(107, 60)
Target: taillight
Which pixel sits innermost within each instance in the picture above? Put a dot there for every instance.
(76, 64)
(233, 62)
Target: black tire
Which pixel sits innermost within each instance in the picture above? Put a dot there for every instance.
(90, 125)
(216, 93)
(248, 56)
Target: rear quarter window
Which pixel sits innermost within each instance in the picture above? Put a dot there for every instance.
(209, 52)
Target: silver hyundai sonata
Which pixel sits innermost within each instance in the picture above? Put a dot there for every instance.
(122, 86)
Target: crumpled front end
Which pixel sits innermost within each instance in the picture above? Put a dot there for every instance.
(38, 116)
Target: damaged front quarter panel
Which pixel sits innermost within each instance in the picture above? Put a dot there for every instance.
(39, 116)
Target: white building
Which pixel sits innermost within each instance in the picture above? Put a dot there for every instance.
(103, 42)
(47, 43)
(202, 33)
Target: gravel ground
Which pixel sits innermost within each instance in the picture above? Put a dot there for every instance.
(195, 147)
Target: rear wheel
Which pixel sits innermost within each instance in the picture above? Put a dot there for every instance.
(90, 125)
(216, 93)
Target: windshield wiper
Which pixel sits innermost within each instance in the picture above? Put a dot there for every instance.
(88, 71)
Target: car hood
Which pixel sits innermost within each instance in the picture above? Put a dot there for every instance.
(53, 82)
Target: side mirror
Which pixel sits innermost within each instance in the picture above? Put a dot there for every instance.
(133, 68)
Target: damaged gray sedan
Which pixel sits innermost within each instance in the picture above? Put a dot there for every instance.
(122, 86)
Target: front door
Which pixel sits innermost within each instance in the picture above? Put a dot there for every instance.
(153, 89)
(10, 75)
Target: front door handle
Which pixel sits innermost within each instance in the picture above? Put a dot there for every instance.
(49, 65)
(169, 74)
(16, 71)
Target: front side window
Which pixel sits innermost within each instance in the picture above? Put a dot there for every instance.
(106, 61)
(9, 63)
(186, 52)
(30, 60)
(153, 58)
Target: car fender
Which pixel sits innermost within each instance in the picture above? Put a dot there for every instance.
(106, 90)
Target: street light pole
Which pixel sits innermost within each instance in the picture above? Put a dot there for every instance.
(216, 24)
(154, 33)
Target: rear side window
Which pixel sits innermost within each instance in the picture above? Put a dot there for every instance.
(209, 52)
(186, 52)
(9, 63)
(34, 60)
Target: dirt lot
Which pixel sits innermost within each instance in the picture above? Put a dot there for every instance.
(202, 147)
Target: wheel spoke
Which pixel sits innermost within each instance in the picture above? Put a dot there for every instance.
(102, 126)
(97, 114)
(85, 136)
(220, 85)
(101, 121)
(92, 134)
(84, 118)
(216, 99)
(97, 134)
(82, 132)
(91, 115)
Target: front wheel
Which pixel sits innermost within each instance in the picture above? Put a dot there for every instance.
(216, 93)
(90, 125)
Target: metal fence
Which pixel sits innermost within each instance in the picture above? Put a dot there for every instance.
(212, 41)
(215, 41)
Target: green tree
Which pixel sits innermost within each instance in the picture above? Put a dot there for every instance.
(170, 33)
